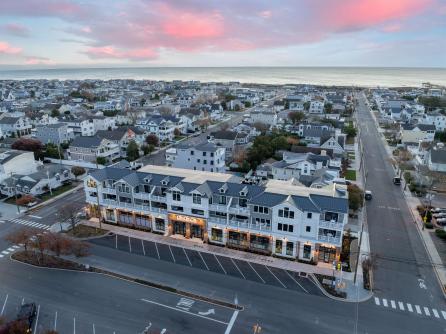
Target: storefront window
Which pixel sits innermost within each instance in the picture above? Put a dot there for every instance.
(217, 235)
(307, 251)
(142, 221)
(289, 248)
(125, 218)
(278, 246)
(160, 224)
(110, 215)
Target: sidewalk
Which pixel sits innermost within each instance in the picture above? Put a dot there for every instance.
(321, 268)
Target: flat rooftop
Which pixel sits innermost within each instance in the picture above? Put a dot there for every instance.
(192, 176)
(288, 188)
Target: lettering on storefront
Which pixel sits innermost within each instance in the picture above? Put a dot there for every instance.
(186, 219)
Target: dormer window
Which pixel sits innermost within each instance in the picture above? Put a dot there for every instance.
(147, 179)
(165, 182)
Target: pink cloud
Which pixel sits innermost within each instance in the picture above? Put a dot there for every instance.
(35, 60)
(141, 29)
(109, 52)
(6, 48)
(16, 29)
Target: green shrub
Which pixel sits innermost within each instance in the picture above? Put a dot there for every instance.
(440, 233)
(428, 226)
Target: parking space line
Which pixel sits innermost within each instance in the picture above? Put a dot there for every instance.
(183, 311)
(220, 265)
(23, 301)
(295, 281)
(203, 260)
(143, 249)
(157, 251)
(74, 325)
(231, 322)
(187, 257)
(276, 277)
(37, 319)
(4, 304)
(116, 241)
(237, 268)
(171, 253)
(130, 246)
(256, 272)
(55, 321)
(94, 330)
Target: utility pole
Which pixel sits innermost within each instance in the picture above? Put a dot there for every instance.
(15, 191)
(49, 184)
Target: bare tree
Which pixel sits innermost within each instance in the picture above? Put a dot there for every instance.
(22, 236)
(79, 248)
(68, 213)
(59, 244)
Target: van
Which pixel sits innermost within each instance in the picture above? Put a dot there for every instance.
(368, 195)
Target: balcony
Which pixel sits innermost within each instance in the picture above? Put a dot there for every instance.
(218, 207)
(141, 195)
(217, 220)
(329, 239)
(110, 191)
(156, 198)
(109, 202)
(159, 210)
(241, 223)
(331, 224)
(239, 210)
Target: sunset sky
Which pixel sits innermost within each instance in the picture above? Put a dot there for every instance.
(63, 33)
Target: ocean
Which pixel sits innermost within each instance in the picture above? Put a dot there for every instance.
(341, 76)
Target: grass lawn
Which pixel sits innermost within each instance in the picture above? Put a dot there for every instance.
(84, 231)
(350, 175)
(57, 191)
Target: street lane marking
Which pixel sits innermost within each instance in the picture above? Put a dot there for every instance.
(74, 325)
(116, 241)
(443, 313)
(171, 253)
(401, 306)
(409, 307)
(37, 217)
(11, 249)
(238, 268)
(143, 249)
(231, 322)
(5, 252)
(187, 257)
(37, 319)
(199, 253)
(392, 302)
(435, 312)
(426, 310)
(4, 304)
(220, 264)
(418, 309)
(377, 301)
(94, 330)
(256, 272)
(184, 311)
(16, 247)
(130, 246)
(1, 255)
(276, 277)
(55, 321)
(157, 251)
(385, 302)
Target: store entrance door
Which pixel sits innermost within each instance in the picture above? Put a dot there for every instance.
(196, 232)
(179, 228)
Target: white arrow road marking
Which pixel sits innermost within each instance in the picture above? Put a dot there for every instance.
(208, 312)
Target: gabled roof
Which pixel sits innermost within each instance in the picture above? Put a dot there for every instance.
(86, 142)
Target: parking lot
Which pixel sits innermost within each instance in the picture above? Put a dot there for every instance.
(223, 265)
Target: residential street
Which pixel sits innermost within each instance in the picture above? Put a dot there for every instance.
(402, 269)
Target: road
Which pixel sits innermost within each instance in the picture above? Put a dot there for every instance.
(403, 271)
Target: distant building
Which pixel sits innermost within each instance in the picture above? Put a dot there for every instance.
(205, 157)
(90, 148)
(16, 162)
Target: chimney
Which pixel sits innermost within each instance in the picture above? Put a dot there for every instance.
(323, 153)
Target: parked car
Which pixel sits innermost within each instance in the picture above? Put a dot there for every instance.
(368, 195)
(438, 210)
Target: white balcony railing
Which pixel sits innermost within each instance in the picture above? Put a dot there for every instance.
(217, 220)
(156, 198)
(239, 210)
(329, 239)
(331, 224)
(159, 210)
(218, 207)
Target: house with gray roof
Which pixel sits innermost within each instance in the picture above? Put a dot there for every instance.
(89, 149)
(436, 160)
(53, 133)
(280, 218)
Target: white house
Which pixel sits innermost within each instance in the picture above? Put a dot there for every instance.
(205, 157)
(436, 160)
(16, 162)
(316, 107)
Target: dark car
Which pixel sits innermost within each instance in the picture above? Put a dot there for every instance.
(27, 314)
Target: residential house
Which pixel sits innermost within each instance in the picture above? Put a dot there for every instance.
(90, 148)
(16, 162)
(15, 126)
(413, 134)
(53, 133)
(436, 160)
(204, 157)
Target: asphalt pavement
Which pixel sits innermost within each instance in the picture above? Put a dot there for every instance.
(402, 271)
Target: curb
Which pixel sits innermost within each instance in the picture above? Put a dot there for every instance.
(158, 286)
(345, 300)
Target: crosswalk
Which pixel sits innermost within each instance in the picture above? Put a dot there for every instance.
(407, 307)
(29, 223)
(8, 250)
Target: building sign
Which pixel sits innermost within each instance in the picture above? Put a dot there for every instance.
(186, 219)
